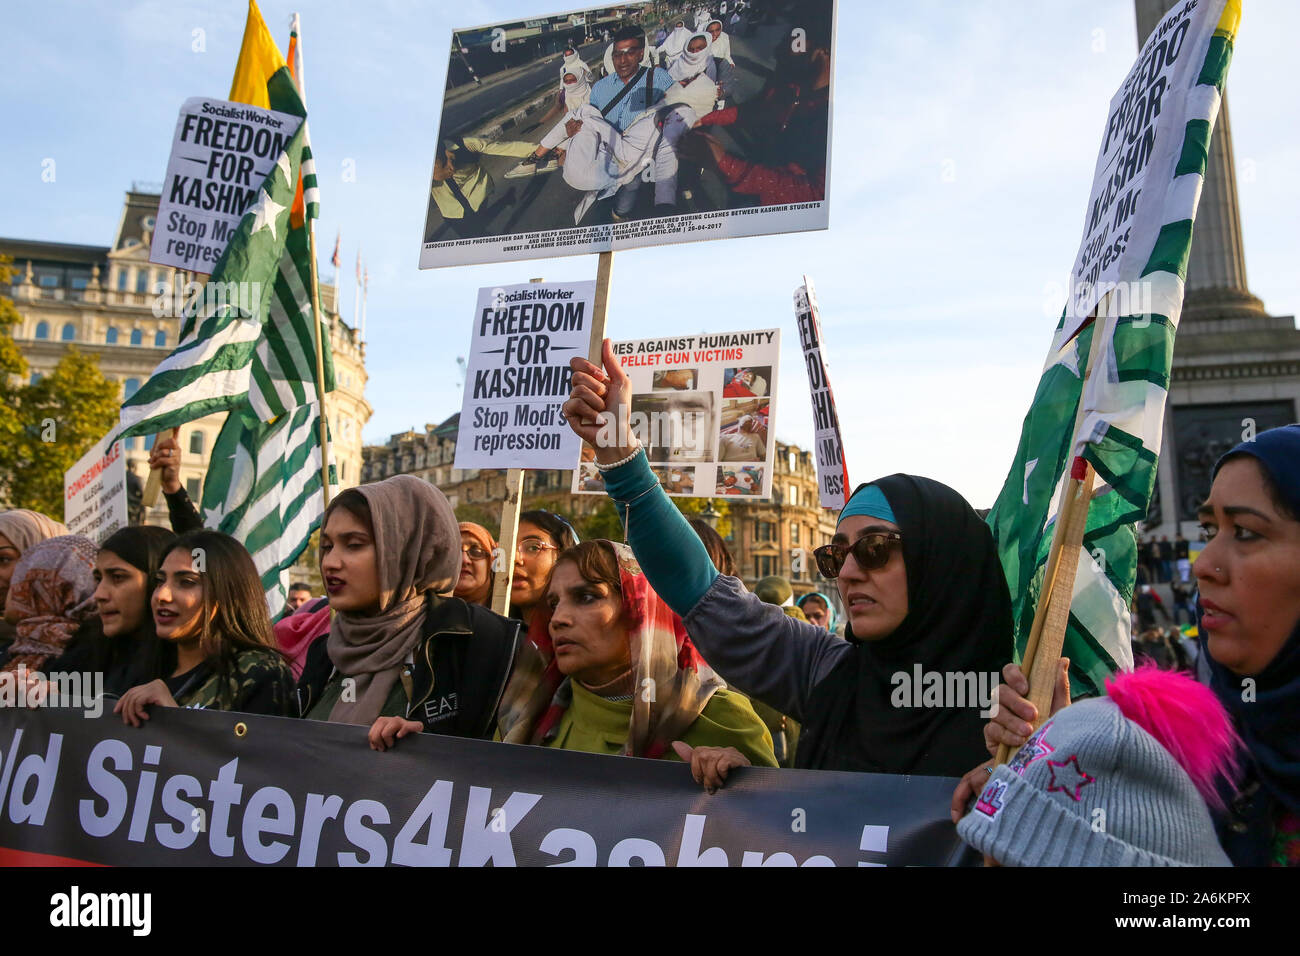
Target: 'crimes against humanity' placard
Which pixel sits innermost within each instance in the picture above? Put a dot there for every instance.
(518, 375)
(221, 153)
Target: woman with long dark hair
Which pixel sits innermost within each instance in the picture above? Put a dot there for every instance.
(125, 575)
(209, 610)
(541, 537)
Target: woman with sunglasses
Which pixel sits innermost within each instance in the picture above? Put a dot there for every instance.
(542, 536)
(918, 575)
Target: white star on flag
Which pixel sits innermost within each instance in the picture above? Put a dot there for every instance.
(283, 163)
(264, 213)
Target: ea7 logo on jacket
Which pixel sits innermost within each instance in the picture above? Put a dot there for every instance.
(440, 708)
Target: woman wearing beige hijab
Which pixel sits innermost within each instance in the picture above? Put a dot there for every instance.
(19, 530)
(403, 654)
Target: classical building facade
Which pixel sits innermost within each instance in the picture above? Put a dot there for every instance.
(775, 536)
(1236, 368)
(111, 302)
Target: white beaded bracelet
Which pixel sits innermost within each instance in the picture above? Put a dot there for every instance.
(622, 461)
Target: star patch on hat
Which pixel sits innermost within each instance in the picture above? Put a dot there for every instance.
(1068, 777)
(1035, 748)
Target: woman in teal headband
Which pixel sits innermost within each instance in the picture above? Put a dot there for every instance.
(918, 576)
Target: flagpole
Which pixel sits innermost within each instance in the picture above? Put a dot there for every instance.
(301, 82)
(320, 364)
(1052, 615)
(356, 298)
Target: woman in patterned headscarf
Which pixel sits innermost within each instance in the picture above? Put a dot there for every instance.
(51, 603)
(627, 679)
(19, 530)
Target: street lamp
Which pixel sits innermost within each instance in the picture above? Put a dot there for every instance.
(709, 516)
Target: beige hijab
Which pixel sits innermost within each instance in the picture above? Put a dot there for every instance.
(25, 528)
(417, 548)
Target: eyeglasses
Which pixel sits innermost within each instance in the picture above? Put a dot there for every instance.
(474, 551)
(531, 549)
(871, 552)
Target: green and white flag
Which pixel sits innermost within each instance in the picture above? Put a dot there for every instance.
(263, 488)
(209, 370)
(283, 369)
(284, 366)
(1123, 404)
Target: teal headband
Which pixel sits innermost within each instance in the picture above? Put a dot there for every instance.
(869, 501)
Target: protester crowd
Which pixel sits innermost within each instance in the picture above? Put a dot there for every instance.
(650, 112)
(1192, 755)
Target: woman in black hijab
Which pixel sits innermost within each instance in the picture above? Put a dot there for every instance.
(957, 626)
(926, 598)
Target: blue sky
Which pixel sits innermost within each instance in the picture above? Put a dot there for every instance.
(964, 141)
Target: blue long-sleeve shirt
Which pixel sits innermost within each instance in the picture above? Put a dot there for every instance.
(636, 101)
(753, 645)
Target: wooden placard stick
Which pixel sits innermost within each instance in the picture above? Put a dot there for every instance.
(153, 484)
(507, 540)
(1052, 615)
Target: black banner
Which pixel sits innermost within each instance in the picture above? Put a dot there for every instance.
(204, 787)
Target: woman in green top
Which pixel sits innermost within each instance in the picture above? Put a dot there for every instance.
(627, 679)
(210, 614)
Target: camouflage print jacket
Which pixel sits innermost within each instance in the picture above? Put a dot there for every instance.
(260, 683)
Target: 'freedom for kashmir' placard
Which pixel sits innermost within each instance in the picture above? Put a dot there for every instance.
(221, 153)
(518, 375)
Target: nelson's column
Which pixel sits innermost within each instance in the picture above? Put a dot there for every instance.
(1233, 361)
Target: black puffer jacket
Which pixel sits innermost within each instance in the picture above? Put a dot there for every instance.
(460, 668)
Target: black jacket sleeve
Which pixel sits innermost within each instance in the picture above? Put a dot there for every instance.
(182, 513)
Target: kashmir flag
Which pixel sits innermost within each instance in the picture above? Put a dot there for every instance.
(222, 329)
(259, 59)
(263, 488)
(1120, 428)
(284, 363)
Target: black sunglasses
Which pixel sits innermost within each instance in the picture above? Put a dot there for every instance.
(871, 551)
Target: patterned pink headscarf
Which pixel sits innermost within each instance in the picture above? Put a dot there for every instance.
(52, 592)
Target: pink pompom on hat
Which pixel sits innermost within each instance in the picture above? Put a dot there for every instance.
(1120, 780)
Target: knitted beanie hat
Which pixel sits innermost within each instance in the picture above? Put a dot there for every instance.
(1120, 780)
